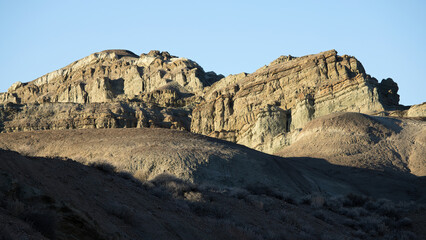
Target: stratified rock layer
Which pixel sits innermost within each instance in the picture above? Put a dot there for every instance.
(49, 116)
(264, 110)
(260, 109)
(113, 75)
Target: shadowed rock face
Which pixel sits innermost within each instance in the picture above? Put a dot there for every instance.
(263, 110)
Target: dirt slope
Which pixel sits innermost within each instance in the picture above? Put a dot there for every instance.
(151, 152)
(51, 198)
(48, 198)
(358, 140)
(146, 153)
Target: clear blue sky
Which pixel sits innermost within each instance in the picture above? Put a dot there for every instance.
(228, 37)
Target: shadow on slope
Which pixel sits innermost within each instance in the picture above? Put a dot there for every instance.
(340, 180)
(147, 153)
(151, 152)
(52, 198)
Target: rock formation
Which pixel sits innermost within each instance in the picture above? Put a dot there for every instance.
(260, 109)
(113, 75)
(28, 117)
(264, 110)
(113, 88)
(122, 183)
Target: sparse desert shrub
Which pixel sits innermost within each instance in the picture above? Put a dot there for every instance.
(182, 205)
(177, 187)
(404, 222)
(160, 192)
(408, 205)
(103, 166)
(121, 211)
(261, 189)
(359, 234)
(193, 196)
(237, 193)
(319, 214)
(387, 208)
(280, 214)
(42, 221)
(288, 198)
(322, 215)
(353, 212)
(204, 209)
(15, 207)
(13, 232)
(317, 201)
(244, 232)
(401, 235)
(125, 175)
(292, 219)
(141, 175)
(350, 212)
(350, 223)
(328, 236)
(370, 224)
(372, 205)
(6, 233)
(305, 200)
(261, 202)
(333, 203)
(307, 233)
(354, 200)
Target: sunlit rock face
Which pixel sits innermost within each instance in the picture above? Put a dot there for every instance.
(112, 75)
(263, 110)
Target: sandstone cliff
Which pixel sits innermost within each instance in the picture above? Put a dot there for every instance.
(113, 75)
(109, 89)
(264, 110)
(260, 109)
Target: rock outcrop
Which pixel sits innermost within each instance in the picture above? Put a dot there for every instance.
(109, 89)
(264, 110)
(49, 116)
(259, 110)
(113, 75)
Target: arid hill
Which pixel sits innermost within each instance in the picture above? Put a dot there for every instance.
(147, 153)
(121, 146)
(262, 110)
(359, 140)
(51, 198)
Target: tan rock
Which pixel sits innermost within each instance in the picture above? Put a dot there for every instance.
(111, 75)
(264, 110)
(256, 109)
(417, 110)
(49, 116)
